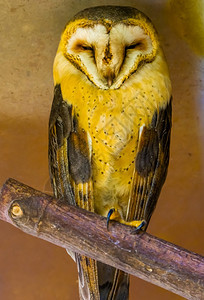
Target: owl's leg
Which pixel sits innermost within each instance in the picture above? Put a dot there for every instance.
(115, 215)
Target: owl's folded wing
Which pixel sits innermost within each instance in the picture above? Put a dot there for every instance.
(151, 163)
(70, 173)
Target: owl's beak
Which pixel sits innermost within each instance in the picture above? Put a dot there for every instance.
(109, 77)
(110, 80)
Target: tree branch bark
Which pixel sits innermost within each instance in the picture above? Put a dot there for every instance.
(142, 255)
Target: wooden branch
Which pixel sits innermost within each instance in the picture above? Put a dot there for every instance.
(141, 255)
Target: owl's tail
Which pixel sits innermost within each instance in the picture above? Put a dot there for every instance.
(98, 281)
(87, 278)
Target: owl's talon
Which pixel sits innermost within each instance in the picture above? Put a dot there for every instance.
(114, 214)
(139, 227)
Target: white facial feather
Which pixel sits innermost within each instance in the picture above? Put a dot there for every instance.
(127, 35)
(91, 36)
(97, 38)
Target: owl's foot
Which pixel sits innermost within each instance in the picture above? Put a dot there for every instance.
(114, 214)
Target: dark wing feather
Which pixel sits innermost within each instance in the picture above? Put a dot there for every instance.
(151, 164)
(60, 127)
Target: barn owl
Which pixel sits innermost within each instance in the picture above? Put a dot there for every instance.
(109, 129)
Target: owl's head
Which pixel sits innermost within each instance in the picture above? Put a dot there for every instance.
(109, 43)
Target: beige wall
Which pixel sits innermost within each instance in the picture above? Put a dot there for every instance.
(29, 34)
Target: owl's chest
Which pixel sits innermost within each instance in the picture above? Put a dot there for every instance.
(113, 119)
(110, 124)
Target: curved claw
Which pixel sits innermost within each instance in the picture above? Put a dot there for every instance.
(111, 211)
(137, 229)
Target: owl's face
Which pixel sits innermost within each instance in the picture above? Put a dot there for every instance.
(108, 52)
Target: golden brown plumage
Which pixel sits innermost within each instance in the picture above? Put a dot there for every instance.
(110, 125)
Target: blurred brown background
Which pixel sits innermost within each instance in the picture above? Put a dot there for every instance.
(29, 35)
